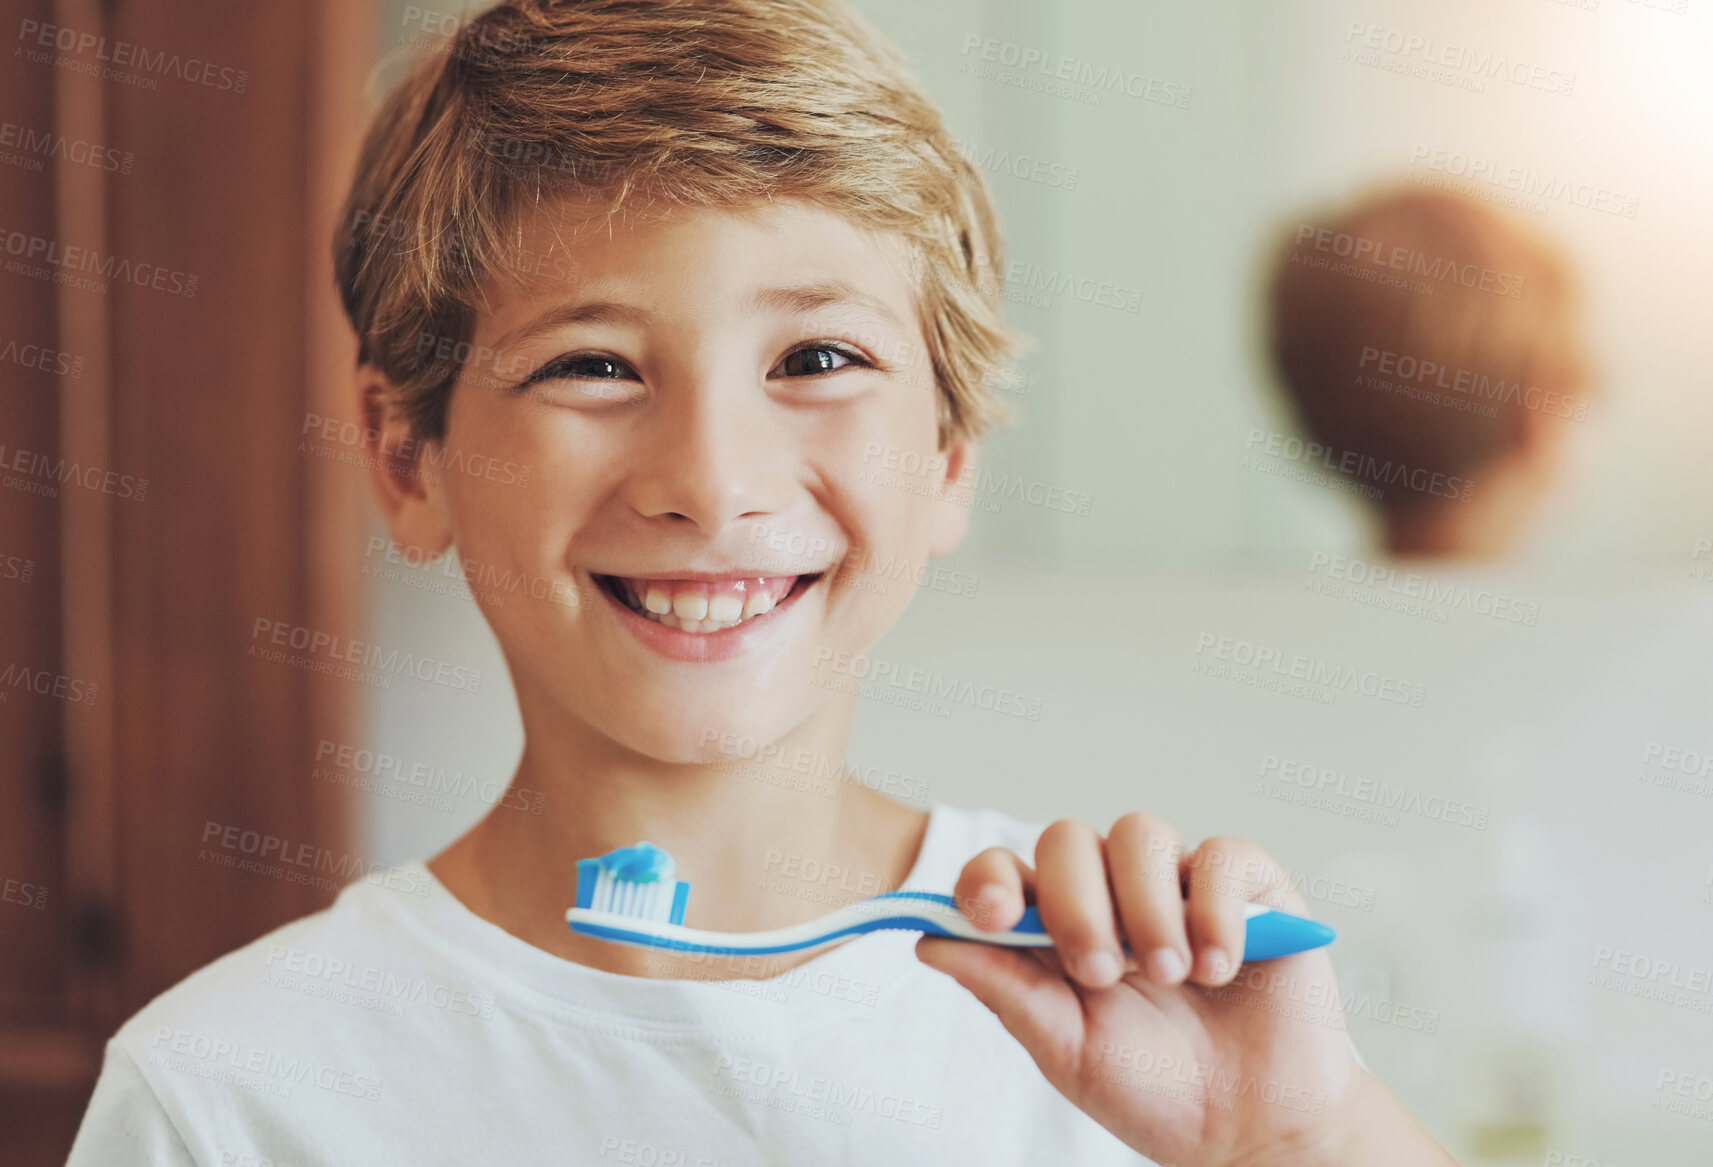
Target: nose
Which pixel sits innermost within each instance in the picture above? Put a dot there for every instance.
(712, 456)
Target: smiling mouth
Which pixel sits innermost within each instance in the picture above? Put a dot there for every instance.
(702, 605)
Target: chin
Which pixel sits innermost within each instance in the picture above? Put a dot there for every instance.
(720, 731)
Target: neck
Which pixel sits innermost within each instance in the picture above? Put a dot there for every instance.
(746, 832)
(1484, 527)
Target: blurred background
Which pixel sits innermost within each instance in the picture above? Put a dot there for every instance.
(1518, 854)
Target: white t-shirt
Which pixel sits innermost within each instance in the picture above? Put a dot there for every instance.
(399, 1028)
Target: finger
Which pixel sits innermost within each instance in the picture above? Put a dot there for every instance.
(1223, 875)
(1076, 904)
(991, 890)
(1142, 854)
(1036, 1005)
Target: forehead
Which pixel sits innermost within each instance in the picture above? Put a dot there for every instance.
(700, 261)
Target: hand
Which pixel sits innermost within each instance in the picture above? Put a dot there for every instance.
(1183, 1054)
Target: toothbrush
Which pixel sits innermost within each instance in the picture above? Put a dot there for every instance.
(632, 896)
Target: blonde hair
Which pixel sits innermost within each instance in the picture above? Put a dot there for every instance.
(1438, 281)
(714, 103)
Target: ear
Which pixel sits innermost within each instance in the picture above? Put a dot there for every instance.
(401, 472)
(952, 507)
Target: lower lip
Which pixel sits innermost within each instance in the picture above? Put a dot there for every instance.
(678, 644)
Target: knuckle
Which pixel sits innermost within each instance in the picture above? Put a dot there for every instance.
(989, 867)
(1221, 845)
(1152, 836)
(1065, 833)
(969, 883)
(1141, 825)
(1230, 867)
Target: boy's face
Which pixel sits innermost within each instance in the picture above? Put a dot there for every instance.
(721, 413)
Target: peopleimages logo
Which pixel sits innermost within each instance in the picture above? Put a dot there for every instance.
(47, 144)
(389, 768)
(783, 1084)
(932, 685)
(1676, 768)
(1525, 181)
(1698, 568)
(895, 466)
(1473, 66)
(1423, 372)
(1650, 978)
(1379, 579)
(333, 649)
(44, 360)
(29, 895)
(1359, 249)
(1040, 171)
(1380, 795)
(1363, 467)
(261, 853)
(1220, 1088)
(126, 55)
(254, 1067)
(47, 683)
(302, 970)
(83, 267)
(1069, 71)
(647, 1154)
(1311, 670)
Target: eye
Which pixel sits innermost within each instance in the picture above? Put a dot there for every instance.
(582, 367)
(818, 359)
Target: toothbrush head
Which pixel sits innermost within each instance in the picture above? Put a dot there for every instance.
(634, 881)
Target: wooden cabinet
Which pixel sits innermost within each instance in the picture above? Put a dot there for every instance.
(169, 175)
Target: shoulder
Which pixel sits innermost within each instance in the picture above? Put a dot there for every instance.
(269, 1003)
(224, 1048)
(236, 984)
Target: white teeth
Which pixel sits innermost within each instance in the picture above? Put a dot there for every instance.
(690, 612)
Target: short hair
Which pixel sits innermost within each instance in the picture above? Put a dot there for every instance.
(712, 103)
(1467, 307)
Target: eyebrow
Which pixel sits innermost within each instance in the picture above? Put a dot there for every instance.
(806, 298)
(575, 312)
(799, 299)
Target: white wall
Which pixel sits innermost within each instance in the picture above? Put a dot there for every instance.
(1149, 412)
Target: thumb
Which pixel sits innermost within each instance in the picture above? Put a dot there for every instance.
(1037, 1006)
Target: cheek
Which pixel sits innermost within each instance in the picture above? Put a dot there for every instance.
(892, 439)
(515, 491)
(892, 480)
(890, 483)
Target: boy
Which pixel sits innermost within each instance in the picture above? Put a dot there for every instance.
(690, 263)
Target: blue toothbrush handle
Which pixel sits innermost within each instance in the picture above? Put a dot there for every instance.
(1267, 935)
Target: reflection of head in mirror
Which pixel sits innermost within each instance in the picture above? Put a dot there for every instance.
(1430, 347)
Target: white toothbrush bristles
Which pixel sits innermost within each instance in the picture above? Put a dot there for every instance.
(641, 901)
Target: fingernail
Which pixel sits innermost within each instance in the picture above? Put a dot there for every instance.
(1214, 964)
(1101, 967)
(1166, 966)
